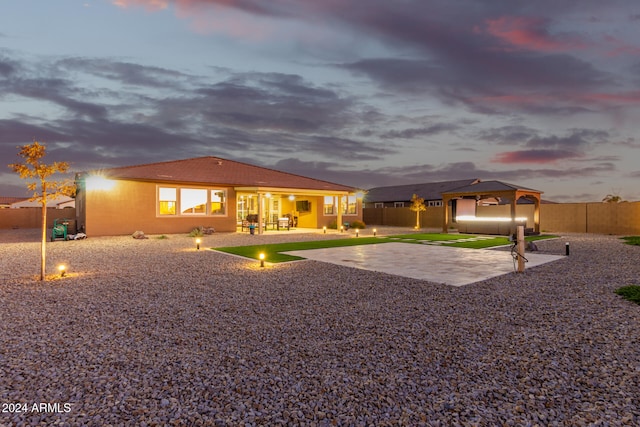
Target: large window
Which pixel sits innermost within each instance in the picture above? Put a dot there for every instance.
(349, 205)
(191, 201)
(329, 205)
(218, 202)
(167, 198)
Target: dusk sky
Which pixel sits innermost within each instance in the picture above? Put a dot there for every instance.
(544, 94)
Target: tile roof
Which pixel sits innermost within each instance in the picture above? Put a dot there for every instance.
(428, 191)
(4, 200)
(217, 171)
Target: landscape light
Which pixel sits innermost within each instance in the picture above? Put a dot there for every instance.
(341, 228)
(62, 269)
(261, 256)
(374, 232)
(198, 243)
(324, 229)
(357, 232)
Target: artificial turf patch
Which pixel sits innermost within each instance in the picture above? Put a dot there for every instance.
(631, 293)
(273, 252)
(632, 240)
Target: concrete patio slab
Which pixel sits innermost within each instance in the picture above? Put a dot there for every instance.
(440, 264)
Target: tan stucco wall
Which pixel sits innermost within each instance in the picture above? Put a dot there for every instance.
(131, 206)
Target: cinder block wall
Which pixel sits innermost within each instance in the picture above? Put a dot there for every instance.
(598, 218)
(32, 217)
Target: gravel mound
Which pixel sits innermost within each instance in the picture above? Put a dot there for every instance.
(153, 332)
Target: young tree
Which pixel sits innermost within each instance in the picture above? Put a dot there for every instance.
(34, 169)
(417, 205)
(612, 198)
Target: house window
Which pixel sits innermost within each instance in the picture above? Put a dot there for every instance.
(398, 204)
(349, 205)
(434, 203)
(218, 202)
(193, 201)
(167, 198)
(378, 205)
(329, 205)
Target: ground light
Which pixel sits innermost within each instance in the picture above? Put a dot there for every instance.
(324, 229)
(357, 232)
(341, 228)
(261, 256)
(62, 269)
(198, 243)
(374, 232)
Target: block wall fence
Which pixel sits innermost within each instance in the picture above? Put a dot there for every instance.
(598, 218)
(32, 217)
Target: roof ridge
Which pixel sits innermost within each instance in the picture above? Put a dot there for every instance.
(162, 162)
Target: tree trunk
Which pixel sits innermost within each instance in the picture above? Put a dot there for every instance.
(43, 244)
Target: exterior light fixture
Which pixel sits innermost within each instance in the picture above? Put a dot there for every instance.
(198, 241)
(292, 197)
(267, 195)
(99, 183)
(341, 228)
(324, 229)
(374, 232)
(261, 256)
(357, 232)
(62, 269)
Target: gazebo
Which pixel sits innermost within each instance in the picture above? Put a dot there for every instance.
(493, 189)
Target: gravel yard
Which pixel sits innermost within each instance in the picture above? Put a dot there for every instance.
(154, 332)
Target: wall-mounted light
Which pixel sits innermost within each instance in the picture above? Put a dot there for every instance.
(62, 269)
(292, 197)
(261, 256)
(267, 195)
(99, 182)
(198, 241)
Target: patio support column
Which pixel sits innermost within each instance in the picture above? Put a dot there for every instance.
(260, 213)
(339, 213)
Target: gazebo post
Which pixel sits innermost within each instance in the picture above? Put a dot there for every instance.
(445, 217)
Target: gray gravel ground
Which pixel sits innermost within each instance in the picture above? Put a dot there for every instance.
(153, 333)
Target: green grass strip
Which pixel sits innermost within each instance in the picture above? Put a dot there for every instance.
(631, 293)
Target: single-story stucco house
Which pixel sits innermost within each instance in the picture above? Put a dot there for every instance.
(177, 196)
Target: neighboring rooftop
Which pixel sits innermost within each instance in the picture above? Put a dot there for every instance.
(428, 191)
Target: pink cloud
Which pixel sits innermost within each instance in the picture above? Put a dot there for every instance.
(150, 5)
(529, 34)
(618, 47)
(533, 156)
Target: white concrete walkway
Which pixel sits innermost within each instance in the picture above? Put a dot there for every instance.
(446, 265)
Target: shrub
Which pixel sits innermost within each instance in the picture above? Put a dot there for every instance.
(196, 232)
(333, 225)
(357, 224)
(631, 293)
